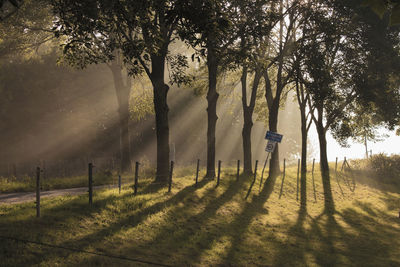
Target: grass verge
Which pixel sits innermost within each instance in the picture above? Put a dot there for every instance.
(237, 223)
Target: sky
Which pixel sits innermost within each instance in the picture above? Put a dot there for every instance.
(391, 145)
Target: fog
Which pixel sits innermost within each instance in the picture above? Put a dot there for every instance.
(57, 114)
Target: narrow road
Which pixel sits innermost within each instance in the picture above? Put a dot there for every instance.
(21, 197)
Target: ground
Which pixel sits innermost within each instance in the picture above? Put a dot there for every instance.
(237, 223)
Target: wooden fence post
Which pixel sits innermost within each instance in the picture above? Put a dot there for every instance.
(136, 177)
(90, 183)
(219, 172)
(119, 183)
(336, 165)
(197, 171)
(238, 170)
(298, 170)
(170, 176)
(38, 192)
(313, 183)
(344, 162)
(336, 176)
(283, 178)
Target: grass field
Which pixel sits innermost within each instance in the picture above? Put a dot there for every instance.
(233, 224)
(28, 184)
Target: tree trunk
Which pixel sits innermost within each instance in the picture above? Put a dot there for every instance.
(329, 204)
(273, 108)
(160, 90)
(274, 168)
(123, 92)
(303, 172)
(212, 97)
(247, 125)
(248, 110)
(246, 135)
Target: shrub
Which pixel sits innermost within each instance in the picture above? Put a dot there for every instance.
(386, 167)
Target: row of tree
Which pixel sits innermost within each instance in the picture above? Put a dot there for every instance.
(341, 59)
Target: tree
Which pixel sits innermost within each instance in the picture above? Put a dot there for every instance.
(253, 24)
(362, 126)
(123, 92)
(142, 31)
(209, 30)
(340, 59)
(303, 99)
(279, 53)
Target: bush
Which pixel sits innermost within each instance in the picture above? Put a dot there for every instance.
(387, 167)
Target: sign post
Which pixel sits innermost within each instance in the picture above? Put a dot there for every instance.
(272, 138)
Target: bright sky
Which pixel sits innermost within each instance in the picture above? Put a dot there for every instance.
(390, 145)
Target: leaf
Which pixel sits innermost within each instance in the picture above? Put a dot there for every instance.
(395, 16)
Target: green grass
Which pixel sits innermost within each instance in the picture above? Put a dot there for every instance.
(28, 184)
(208, 225)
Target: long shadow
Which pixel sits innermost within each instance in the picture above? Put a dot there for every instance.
(250, 188)
(367, 241)
(78, 210)
(243, 220)
(383, 184)
(179, 240)
(297, 242)
(372, 241)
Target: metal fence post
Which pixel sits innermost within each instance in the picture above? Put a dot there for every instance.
(283, 178)
(255, 170)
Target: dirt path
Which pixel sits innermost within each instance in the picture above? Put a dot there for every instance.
(14, 198)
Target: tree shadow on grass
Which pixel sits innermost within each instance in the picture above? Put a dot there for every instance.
(245, 218)
(73, 211)
(354, 236)
(186, 236)
(186, 240)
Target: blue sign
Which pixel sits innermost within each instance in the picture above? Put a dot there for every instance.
(275, 137)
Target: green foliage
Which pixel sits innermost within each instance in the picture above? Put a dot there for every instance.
(26, 31)
(178, 65)
(141, 102)
(387, 168)
(361, 125)
(141, 30)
